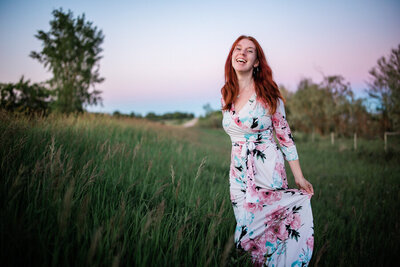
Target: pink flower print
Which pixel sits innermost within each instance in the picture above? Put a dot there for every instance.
(269, 196)
(281, 232)
(289, 218)
(282, 130)
(251, 187)
(232, 172)
(252, 246)
(283, 137)
(275, 231)
(296, 223)
(252, 207)
(238, 122)
(270, 234)
(276, 119)
(277, 214)
(232, 197)
(280, 168)
(261, 240)
(310, 242)
(284, 182)
(261, 147)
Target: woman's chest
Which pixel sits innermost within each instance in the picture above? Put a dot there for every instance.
(252, 118)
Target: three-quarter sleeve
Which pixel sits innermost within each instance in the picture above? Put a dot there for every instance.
(283, 133)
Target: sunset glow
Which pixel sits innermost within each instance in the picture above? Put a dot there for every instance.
(166, 56)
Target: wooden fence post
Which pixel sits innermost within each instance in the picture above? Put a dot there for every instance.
(332, 138)
(355, 141)
(385, 138)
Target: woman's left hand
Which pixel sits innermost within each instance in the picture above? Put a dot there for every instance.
(305, 185)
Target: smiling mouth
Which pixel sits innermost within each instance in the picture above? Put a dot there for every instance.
(241, 60)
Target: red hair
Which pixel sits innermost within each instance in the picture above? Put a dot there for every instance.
(265, 87)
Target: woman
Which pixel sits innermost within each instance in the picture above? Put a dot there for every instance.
(274, 223)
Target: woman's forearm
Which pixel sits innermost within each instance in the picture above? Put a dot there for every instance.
(296, 170)
(301, 182)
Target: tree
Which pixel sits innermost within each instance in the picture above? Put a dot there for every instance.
(24, 97)
(71, 50)
(308, 108)
(208, 109)
(385, 88)
(339, 100)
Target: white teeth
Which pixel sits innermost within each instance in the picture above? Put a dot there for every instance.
(241, 60)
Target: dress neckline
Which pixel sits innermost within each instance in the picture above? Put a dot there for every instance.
(252, 97)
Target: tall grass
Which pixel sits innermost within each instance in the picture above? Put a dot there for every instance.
(94, 190)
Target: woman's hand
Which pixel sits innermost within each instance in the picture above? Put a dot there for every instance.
(302, 183)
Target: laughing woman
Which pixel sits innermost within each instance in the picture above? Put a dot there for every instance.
(274, 223)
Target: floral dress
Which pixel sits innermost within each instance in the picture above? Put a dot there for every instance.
(274, 223)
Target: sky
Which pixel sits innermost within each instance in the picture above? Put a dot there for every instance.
(167, 56)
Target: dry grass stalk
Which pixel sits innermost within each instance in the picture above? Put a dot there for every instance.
(82, 215)
(321, 252)
(172, 174)
(227, 249)
(67, 204)
(177, 189)
(93, 246)
(149, 220)
(203, 162)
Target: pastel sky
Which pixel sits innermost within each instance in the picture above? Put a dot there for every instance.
(166, 56)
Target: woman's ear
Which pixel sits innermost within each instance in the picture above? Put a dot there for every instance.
(256, 64)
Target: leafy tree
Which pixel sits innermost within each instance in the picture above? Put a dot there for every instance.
(385, 88)
(151, 116)
(117, 113)
(71, 50)
(287, 95)
(308, 108)
(208, 109)
(339, 100)
(24, 97)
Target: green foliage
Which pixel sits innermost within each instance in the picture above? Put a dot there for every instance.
(169, 116)
(100, 191)
(71, 51)
(328, 107)
(211, 120)
(385, 88)
(23, 97)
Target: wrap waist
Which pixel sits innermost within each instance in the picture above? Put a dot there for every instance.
(249, 144)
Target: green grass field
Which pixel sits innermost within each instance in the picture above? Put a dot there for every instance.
(100, 191)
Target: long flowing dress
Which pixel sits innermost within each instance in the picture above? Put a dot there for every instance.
(274, 223)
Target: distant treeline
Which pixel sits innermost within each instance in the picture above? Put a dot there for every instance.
(155, 117)
(329, 106)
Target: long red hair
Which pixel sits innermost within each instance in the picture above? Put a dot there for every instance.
(265, 87)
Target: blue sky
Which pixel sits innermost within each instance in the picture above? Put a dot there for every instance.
(166, 56)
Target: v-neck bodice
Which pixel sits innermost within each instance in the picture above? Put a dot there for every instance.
(250, 100)
(254, 119)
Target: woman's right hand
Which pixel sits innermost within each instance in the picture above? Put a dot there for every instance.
(305, 185)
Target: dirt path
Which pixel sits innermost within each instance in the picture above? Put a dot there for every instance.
(190, 123)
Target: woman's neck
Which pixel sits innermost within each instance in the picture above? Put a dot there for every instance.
(245, 82)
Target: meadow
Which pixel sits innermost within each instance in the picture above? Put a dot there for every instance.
(93, 190)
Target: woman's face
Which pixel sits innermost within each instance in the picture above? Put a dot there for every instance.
(244, 56)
